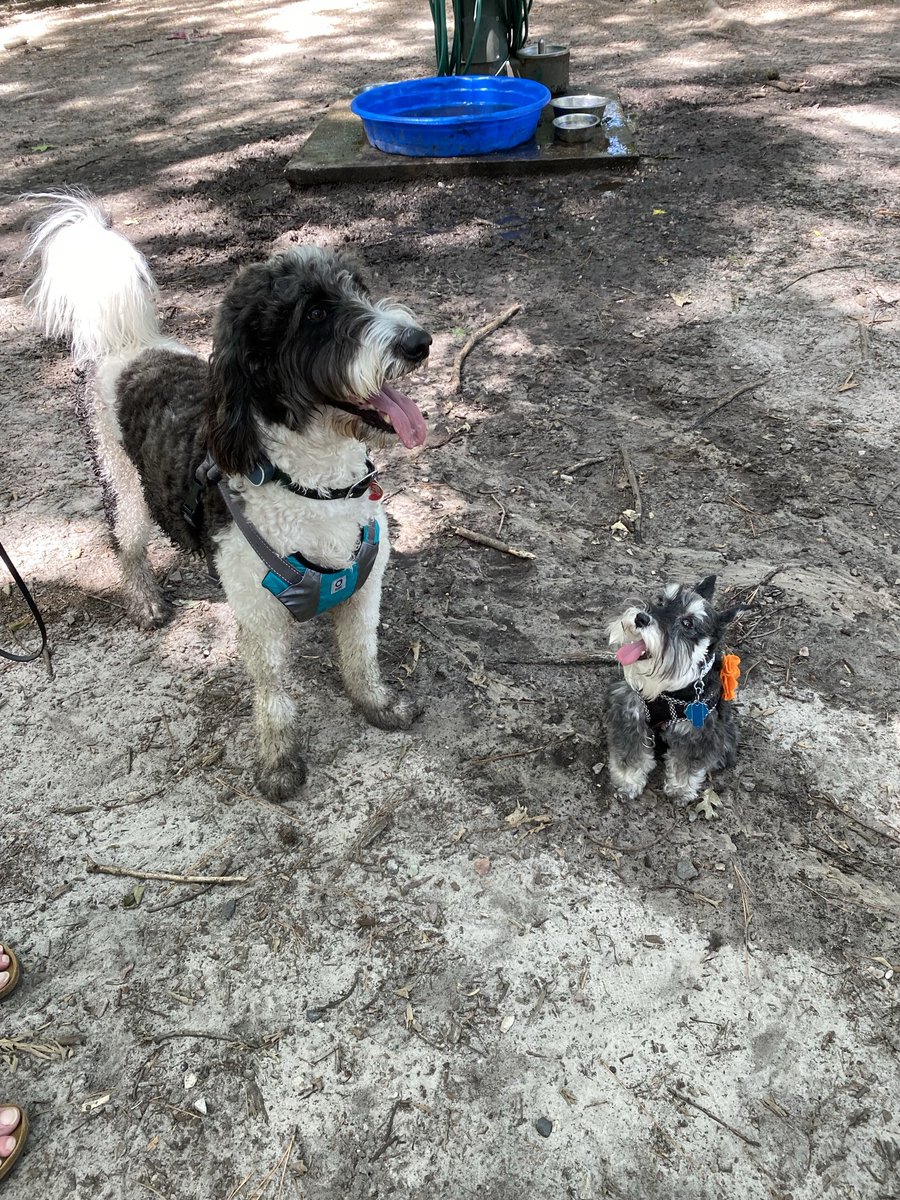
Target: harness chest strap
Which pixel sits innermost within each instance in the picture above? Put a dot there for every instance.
(696, 701)
(303, 588)
(320, 589)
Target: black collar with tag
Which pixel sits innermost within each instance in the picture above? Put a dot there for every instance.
(266, 472)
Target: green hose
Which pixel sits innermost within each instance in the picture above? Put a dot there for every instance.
(517, 24)
(513, 13)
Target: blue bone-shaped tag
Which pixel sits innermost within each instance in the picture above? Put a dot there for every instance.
(696, 713)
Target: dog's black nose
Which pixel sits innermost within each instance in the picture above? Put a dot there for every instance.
(414, 343)
(642, 620)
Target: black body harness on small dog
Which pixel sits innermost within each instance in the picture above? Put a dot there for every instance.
(693, 703)
(304, 588)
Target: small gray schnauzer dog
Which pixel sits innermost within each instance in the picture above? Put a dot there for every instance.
(301, 376)
(670, 704)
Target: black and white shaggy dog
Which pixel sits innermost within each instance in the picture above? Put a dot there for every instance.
(670, 703)
(301, 375)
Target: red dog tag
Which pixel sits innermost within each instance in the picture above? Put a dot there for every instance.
(376, 491)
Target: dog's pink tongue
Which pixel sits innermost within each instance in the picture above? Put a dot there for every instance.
(630, 652)
(404, 415)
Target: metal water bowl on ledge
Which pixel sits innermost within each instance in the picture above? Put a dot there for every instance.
(546, 62)
(588, 103)
(576, 128)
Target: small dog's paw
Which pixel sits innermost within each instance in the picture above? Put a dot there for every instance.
(628, 784)
(149, 614)
(399, 712)
(680, 794)
(283, 779)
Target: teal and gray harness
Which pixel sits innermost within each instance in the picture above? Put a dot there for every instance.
(304, 588)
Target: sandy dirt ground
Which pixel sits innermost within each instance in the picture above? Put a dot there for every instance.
(460, 967)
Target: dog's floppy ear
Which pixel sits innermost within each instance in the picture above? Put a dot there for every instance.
(239, 382)
(706, 587)
(234, 440)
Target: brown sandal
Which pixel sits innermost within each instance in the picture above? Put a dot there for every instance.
(20, 1133)
(13, 969)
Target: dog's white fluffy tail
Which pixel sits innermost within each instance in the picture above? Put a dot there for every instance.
(93, 287)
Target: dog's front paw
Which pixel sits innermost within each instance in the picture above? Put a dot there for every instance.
(282, 780)
(629, 784)
(630, 791)
(681, 794)
(683, 783)
(397, 712)
(148, 614)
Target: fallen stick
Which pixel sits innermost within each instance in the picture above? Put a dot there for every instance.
(754, 590)
(712, 1116)
(389, 1137)
(478, 336)
(95, 868)
(492, 758)
(327, 1004)
(636, 491)
(483, 539)
(585, 462)
(748, 387)
(200, 1033)
(817, 271)
(586, 658)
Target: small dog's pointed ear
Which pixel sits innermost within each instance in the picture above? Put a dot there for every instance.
(706, 587)
(727, 615)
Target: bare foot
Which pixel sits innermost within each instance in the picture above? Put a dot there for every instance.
(13, 1131)
(9, 971)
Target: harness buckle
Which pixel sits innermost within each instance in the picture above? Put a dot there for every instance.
(262, 473)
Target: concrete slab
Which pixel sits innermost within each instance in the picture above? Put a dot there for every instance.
(337, 151)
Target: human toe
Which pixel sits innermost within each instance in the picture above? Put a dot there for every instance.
(9, 1120)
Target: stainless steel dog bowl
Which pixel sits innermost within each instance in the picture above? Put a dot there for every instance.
(594, 105)
(575, 127)
(546, 62)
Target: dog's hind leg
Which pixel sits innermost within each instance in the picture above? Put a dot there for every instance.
(356, 631)
(131, 520)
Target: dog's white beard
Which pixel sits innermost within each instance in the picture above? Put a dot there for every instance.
(666, 667)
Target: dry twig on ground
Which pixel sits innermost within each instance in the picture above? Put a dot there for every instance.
(741, 391)
(636, 492)
(94, 868)
(712, 1116)
(483, 539)
(478, 336)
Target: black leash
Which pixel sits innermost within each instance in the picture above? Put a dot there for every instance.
(35, 611)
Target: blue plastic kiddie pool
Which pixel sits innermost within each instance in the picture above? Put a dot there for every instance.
(451, 115)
